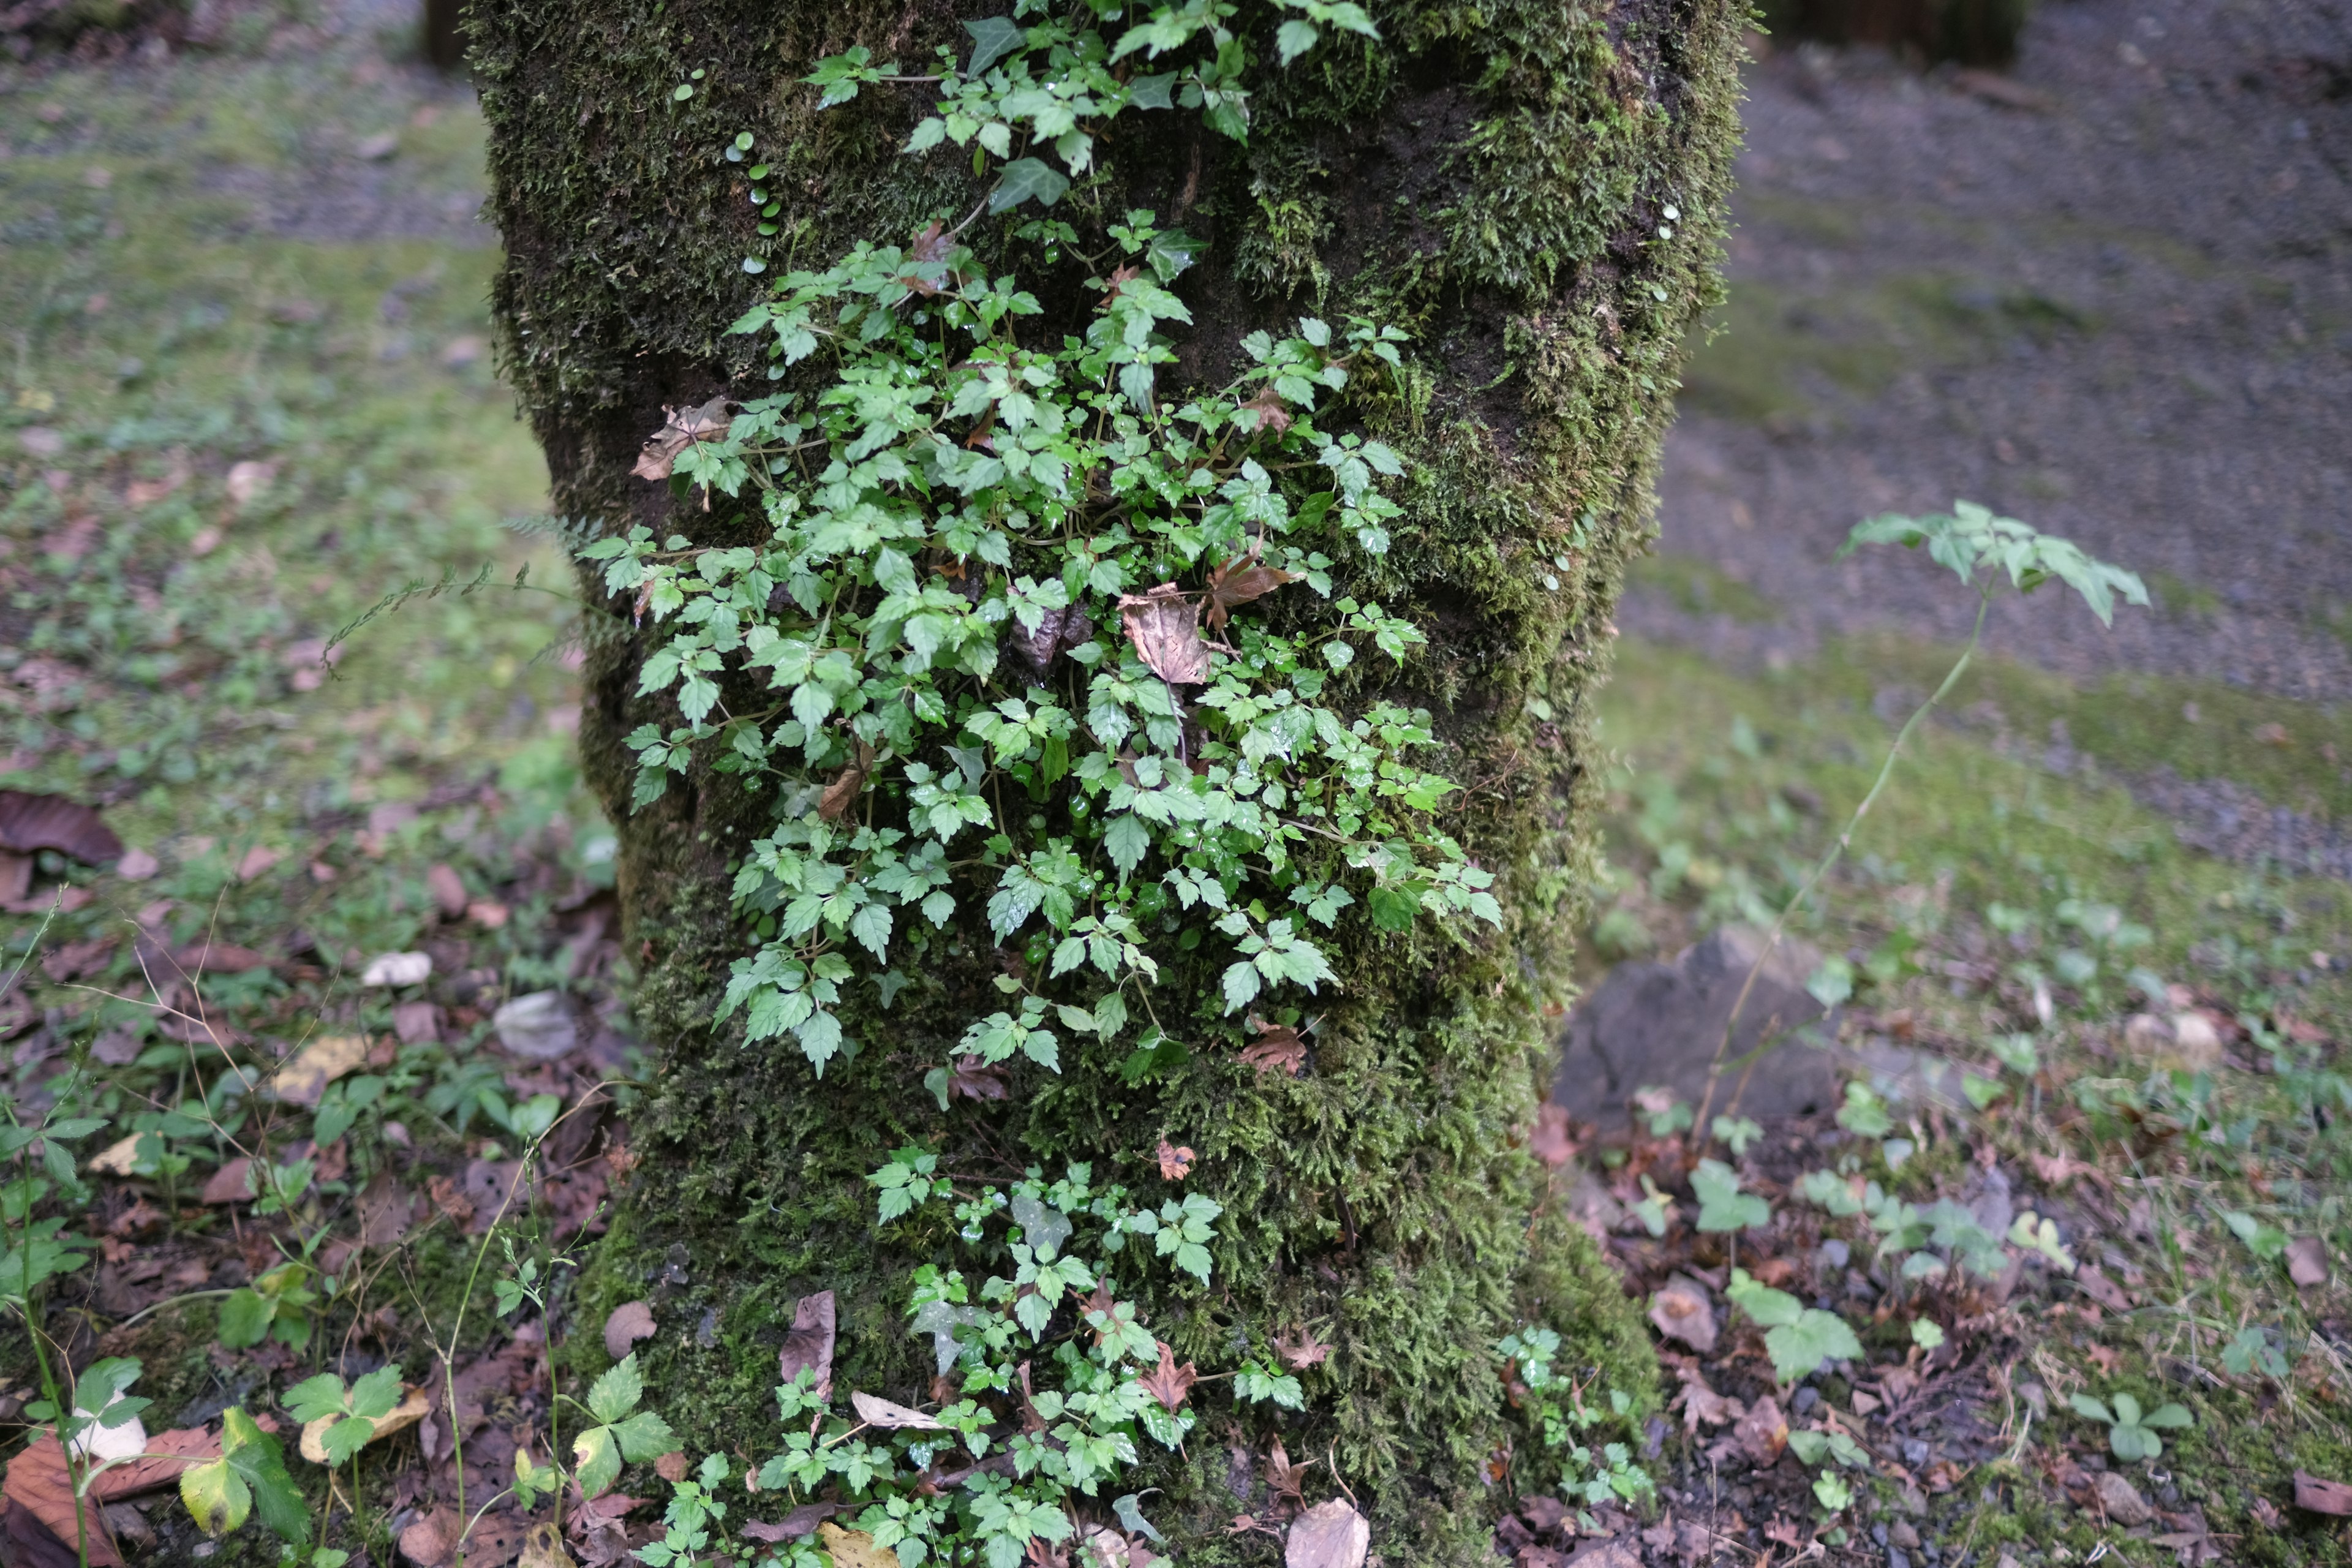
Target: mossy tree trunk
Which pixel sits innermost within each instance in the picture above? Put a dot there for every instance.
(1535, 188)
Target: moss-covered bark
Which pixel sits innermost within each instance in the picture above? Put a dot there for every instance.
(1535, 188)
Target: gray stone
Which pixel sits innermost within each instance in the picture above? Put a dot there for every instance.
(1650, 1023)
(538, 1025)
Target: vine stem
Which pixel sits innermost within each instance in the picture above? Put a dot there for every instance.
(1836, 852)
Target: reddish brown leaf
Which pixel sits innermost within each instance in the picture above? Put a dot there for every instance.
(933, 244)
(1279, 1048)
(1551, 1141)
(1237, 582)
(37, 1482)
(1056, 631)
(76, 959)
(975, 1079)
(1164, 625)
(448, 890)
(1762, 1432)
(32, 822)
(841, 794)
(1682, 1310)
(2093, 1282)
(802, 1521)
(2320, 1496)
(1168, 1382)
(1302, 1350)
(671, 1466)
(1284, 1478)
(2306, 1260)
(810, 1344)
(1266, 413)
(428, 1541)
(629, 1322)
(681, 429)
(1175, 1161)
(169, 1454)
(231, 1183)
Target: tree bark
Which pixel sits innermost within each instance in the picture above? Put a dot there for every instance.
(1536, 188)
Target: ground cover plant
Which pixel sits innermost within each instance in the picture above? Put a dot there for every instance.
(316, 1116)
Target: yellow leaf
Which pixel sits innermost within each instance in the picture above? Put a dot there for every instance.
(853, 1548)
(304, 1080)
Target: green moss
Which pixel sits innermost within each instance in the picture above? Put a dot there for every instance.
(1497, 177)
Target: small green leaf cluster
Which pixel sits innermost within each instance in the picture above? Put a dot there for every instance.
(39, 1251)
(1554, 1407)
(622, 1430)
(1798, 1338)
(1931, 1239)
(1722, 1206)
(1972, 540)
(2131, 1431)
(353, 1410)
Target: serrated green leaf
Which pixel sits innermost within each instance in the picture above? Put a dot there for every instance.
(217, 1497)
(617, 1393)
(1800, 1348)
(597, 1455)
(258, 1461)
(644, 1437)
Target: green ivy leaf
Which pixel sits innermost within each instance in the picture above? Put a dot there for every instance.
(1026, 179)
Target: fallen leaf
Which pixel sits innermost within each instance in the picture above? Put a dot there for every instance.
(415, 1404)
(137, 866)
(892, 1417)
(1329, 1535)
(1237, 582)
(417, 1023)
(1702, 1405)
(1762, 1432)
(2106, 1358)
(543, 1548)
(1615, 1553)
(975, 1079)
(1285, 1478)
(628, 1322)
(257, 861)
(2095, 1283)
(76, 959)
(231, 1183)
(671, 1466)
(117, 1158)
(448, 890)
(38, 1483)
(1551, 1141)
(1175, 1161)
(2306, 1260)
(2312, 1493)
(810, 1344)
(1056, 631)
(802, 1521)
(1301, 1351)
(1164, 625)
(853, 1548)
(933, 244)
(2121, 1499)
(1266, 412)
(29, 822)
(304, 1078)
(1681, 1310)
(210, 957)
(1278, 1048)
(2057, 1169)
(429, 1539)
(1168, 1382)
(841, 794)
(397, 969)
(680, 430)
(167, 1454)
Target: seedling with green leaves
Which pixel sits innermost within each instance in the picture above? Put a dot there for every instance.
(1722, 1206)
(2131, 1432)
(1798, 1338)
(352, 1410)
(622, 1430)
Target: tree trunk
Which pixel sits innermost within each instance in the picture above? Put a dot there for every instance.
(1536, 189)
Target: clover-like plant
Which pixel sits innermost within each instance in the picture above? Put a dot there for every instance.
(2132, 1432)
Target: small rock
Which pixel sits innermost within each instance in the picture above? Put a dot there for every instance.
(1682, 1310)
(1901, 1534)
(397, 969)
(1615, 1553)
(249, 479)
(538, 1025)
(2121, 1499)
(40, 440)
(2306, 1260)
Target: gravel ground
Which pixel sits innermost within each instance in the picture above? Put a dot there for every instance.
(2110, 293)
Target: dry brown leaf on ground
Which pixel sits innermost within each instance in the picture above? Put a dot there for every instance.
(1329, 1535)
(448, 890)
(671, 1466)
(2306, 1260)
(231, 1183)
(38, 1483)
(2094, 1282)
(304, 1078)
(1168, 1382)
(1164, 625)
(1681, 1310)
(1762, 1432)
(682, 428)
(841, 795)
(30, 823)
(802, 1521)
(975, 1079)
(1175, 1160)
(1702, 1405)
(1237, 582)
(1278, 1048)
(627, 1324)
(1285, 1478)
(1301, 1351)
(2319, 1496)
(415, 1404)
(890, 1416)
(853, 1548)
(810, 1344)
(543, 1548)
(1551, 1141)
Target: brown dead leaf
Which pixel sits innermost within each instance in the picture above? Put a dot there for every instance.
(841, 795)
(681, 429)
(1168, 1382)
(671, 1466)
(1237, 582)
(1056, 631)
(975, 1079)
(891, 1416)
(2056, 1170)
(1701, 1405)
(933, 244)
(430, 1539)
(2106, 1358)
(1278, 1048)
(1164, 625)
(38, 1483)
(448, 890)
(1285, 1478)
(231, 1183)
(1682, 1310)
(2314, 1494)
(627, 1324)
(1329, 1535)
(1301, 1351)
(810, 1344)
(303, 1080)
(1551, 1141)
(1266, 413)
(1175, 1161)
(1762, 1432)
(2094, 1282)
(2306, 1260)
(29, 822)
(853, 1548)
(76, 959)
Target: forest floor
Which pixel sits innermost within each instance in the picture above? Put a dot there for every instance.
(248, 396)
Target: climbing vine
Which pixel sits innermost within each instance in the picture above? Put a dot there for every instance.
(1016, 613)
